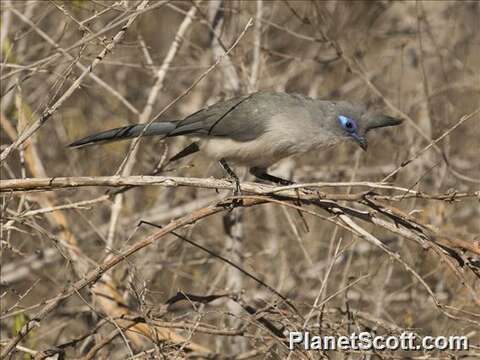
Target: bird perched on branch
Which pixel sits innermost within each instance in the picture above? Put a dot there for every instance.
(259, 129)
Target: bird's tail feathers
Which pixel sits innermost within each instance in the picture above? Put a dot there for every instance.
(126, 132)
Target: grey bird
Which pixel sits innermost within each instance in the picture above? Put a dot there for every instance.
(259, 129)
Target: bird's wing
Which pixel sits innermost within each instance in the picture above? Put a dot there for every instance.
(242, 118)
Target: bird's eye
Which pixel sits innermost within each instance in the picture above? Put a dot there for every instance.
(347, 124)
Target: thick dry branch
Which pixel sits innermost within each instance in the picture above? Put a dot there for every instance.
(48, 184)
(298, 192)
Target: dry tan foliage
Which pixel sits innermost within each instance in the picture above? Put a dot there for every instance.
(385, 241)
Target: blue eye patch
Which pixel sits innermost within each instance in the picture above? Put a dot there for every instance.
(347, 124)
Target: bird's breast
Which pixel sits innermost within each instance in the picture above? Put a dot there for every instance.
(263, 151)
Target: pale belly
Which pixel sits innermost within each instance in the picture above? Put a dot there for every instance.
(255, 153)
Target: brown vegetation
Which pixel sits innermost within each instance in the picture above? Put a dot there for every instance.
(384, 241)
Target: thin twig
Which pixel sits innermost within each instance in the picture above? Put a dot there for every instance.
(76, 84)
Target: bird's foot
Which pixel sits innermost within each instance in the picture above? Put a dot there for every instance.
(233, 178)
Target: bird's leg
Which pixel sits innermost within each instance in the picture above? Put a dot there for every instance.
(231, 174)
(262, 174)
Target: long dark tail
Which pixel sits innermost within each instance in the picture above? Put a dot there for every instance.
(126, 132)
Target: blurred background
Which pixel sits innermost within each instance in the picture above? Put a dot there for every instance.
(417, 60)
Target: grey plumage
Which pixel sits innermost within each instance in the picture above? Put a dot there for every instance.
(259, 129)
(123, 133)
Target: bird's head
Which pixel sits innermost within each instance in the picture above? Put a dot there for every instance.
(352, 122)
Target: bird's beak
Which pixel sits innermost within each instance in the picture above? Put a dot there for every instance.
(362, 141)
(379, 121)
